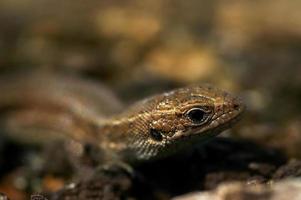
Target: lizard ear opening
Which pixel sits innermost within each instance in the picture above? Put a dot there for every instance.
(156, 135)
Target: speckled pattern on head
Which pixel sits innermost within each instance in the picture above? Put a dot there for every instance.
(163, 124)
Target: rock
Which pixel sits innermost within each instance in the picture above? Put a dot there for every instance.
(291, 169)
(103, 186)
(289, 189)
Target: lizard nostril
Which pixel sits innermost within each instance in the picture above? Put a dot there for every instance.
(236, 106)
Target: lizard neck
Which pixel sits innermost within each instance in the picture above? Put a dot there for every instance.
(115, 136)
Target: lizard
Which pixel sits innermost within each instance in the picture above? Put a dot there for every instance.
(46, 105)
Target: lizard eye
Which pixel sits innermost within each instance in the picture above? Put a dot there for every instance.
(197, 115)
(156, 135)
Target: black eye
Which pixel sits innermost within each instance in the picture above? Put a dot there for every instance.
(156, 135)
(196, 115)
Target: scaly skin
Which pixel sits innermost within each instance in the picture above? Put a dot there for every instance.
(163, 124)
(152, 128)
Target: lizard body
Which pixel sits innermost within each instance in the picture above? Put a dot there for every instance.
(149, 129)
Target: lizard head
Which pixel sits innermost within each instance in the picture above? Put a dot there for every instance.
(182, 117)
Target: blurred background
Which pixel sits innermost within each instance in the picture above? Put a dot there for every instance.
(138, 48)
